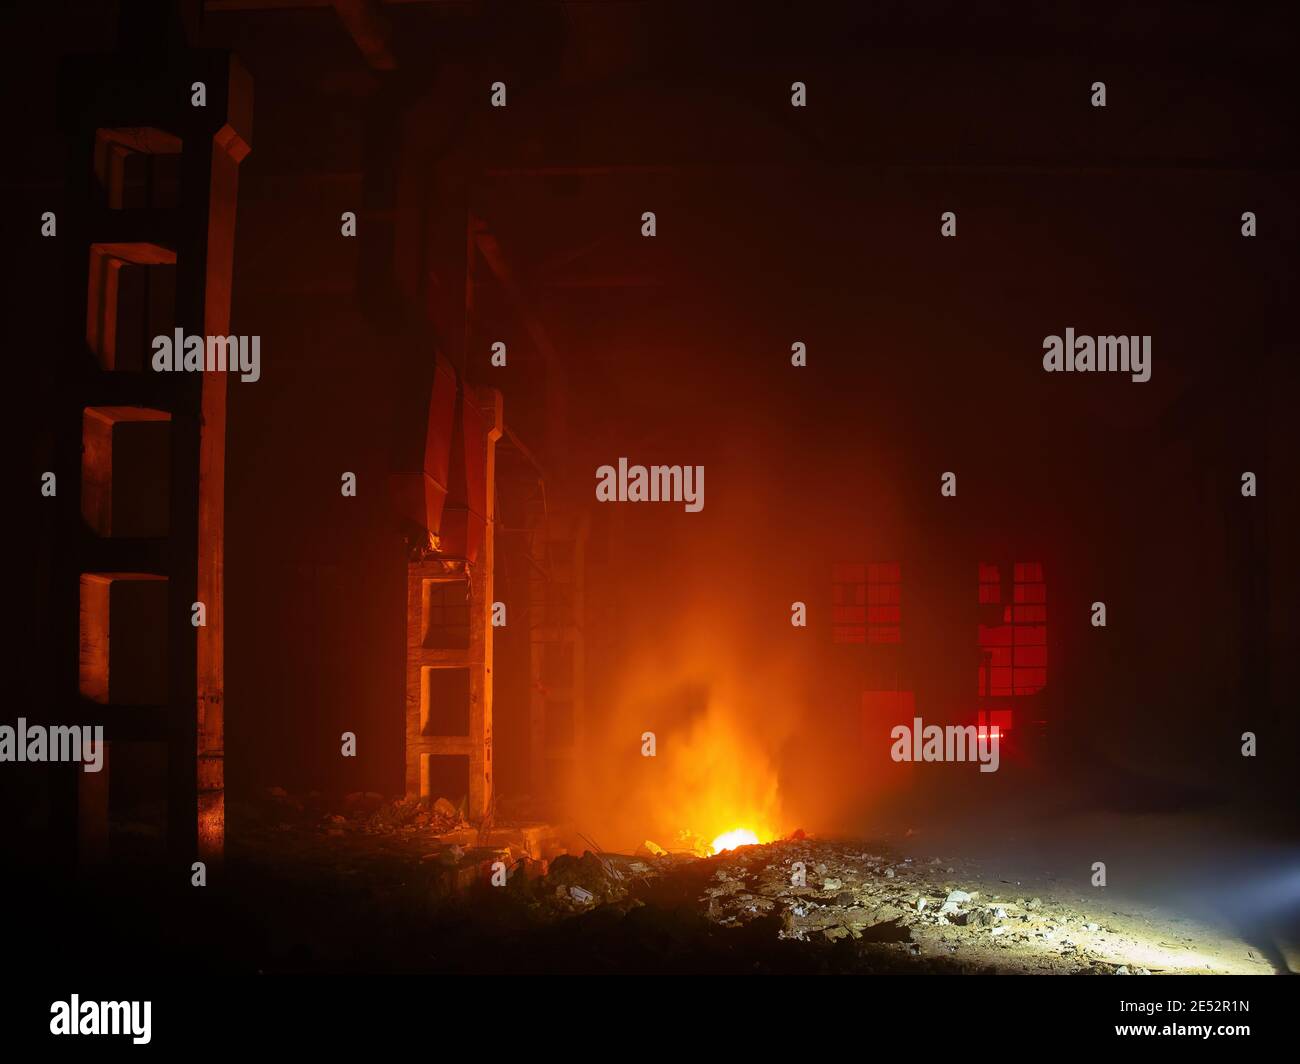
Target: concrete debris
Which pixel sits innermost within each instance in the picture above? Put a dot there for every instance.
(892, 902)
(595, 876)
(870, 909)
(359, 813)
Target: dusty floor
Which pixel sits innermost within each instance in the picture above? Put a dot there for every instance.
(939, 908)
(401, 886)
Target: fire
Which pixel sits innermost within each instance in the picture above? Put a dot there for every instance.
(721, 721)
(729, 840)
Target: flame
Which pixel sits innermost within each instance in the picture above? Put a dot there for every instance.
(720, 775)
(720, 721)
(729, 840)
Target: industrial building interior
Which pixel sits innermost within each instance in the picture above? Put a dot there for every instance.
(449, 709)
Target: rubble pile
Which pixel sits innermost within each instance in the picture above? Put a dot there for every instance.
(835, 891)
(415, 814)
(363, 812)
(949, 914)
(798, 904)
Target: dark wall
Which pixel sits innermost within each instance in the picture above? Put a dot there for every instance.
(777, 225)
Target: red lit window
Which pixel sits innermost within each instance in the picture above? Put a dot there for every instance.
(1013, 636)
(849, 603)
(884, 602)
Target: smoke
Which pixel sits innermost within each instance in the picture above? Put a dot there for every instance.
(691, 742)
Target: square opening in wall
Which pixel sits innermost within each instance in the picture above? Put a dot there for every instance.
(446, 614)
(444, 701)
(444, 776)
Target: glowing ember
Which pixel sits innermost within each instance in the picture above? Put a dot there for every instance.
(731, 839)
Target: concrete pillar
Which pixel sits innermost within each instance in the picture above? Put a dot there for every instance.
(449, 594)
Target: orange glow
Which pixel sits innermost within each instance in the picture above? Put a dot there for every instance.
(731, 839)
(721, 714)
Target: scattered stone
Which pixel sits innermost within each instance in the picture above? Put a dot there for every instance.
(590, 873)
